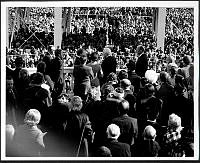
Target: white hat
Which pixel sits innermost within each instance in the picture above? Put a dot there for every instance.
(151, 76)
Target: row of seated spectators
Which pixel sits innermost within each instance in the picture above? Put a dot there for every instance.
(133, 113)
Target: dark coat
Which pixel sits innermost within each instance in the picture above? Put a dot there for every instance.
(118, 149)
(135, 80)
(128, 128)
(56, 69)
(108, 65)
(77, 125)
(141, 65)
(82, 80)
(166, 94)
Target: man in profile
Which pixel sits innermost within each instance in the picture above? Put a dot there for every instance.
(109, 63)
(142, 61)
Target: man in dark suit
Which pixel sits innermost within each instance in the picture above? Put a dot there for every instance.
(128, 125)
(82, 77)
(166, 94)
(118, 149)
(57, 73)
(109, 63)
(142, 61)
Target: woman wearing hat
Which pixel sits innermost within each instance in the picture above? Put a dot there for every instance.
(173, 144)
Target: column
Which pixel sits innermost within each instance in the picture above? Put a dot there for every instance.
(161, 27)
(69, 20)
(58, 27)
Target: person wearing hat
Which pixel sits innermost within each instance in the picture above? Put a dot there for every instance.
(109, 63)
(173, 141)
(83, 75)
(142, 61)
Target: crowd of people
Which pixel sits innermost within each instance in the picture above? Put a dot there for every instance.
(119, 24)
(125, 99)
(106, 113)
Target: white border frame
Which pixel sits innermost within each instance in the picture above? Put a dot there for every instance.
(167, 4)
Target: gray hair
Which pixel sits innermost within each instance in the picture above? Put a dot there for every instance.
(32, 117)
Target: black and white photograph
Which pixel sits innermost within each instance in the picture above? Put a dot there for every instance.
(100, 80)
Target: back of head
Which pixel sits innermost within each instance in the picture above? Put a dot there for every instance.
(108, 89)
(119, 93)
(174, 122)
(76, 103)
(113, 131)
(149, 90)
(103, 151)
(123, 107)
(41, 67)
(123, 75)
(32, 117)
(151, 76)
(125, 83)
(37, 78)
(107, 52)
(112, 77)
(163, 76)
(94, 56)
(140, 49)
(80, 51)
(149, 132)
(23, 73)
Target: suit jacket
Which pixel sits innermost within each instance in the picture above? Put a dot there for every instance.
(166, 94)
(118, 149)
(108, 65)
(56, 72)
(128, 127)
(141, 65)
(82, 79)
(135, 80)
